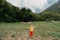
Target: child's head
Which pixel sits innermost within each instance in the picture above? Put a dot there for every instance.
(31, 25)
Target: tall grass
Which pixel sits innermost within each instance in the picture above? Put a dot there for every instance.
(18, 31)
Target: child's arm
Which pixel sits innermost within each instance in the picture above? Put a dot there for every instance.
(26, 27)
(36, 26)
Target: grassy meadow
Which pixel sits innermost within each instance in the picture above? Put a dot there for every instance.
(19, 31)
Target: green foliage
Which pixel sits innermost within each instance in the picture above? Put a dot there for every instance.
(7, 12)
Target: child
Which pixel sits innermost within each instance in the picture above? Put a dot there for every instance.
(31, 31)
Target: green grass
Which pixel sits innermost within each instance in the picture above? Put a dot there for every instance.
(43, 31)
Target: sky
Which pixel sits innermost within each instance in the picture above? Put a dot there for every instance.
(34, 5)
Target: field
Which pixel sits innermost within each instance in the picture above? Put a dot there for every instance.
(19, 31)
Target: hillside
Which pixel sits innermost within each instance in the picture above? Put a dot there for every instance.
(7, 11)
(52, 13)
(54, 8)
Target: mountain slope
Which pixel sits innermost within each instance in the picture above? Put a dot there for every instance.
(54, 8)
